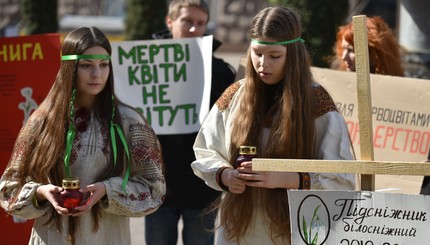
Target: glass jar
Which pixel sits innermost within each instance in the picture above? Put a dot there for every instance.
(71, 197)
(246, 153)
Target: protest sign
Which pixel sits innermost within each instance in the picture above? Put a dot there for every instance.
(400, 118)
(358, 218)
(28, 66)
(400, 112)
(168, 80)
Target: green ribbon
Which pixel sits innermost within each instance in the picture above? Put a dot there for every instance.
(69, 145)
(85, 56)
(115, 127)
(278, 43)
(70, 134)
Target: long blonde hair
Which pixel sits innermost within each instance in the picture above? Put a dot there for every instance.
(292, 130)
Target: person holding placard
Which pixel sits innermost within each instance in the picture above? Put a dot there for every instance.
(187, 196)
(281, 111)
(385, 53)
(85, 142)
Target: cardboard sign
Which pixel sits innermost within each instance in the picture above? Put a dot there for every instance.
(28, 66)
(400, 118)
(358, 218)
(168, 80)
(401, 112)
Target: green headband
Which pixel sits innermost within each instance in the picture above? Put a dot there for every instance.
(85, 56)
(279, 43)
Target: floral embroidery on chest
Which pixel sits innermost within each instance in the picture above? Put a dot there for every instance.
(91, 135)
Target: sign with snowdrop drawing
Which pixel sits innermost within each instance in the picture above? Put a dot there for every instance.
(168, 80)
(358, 218)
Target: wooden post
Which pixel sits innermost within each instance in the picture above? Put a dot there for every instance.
(364, 96)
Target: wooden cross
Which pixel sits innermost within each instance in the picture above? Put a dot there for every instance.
(366, 167)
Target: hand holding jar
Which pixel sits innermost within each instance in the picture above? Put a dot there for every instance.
(71, 197)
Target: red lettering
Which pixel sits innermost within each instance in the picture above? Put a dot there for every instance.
(395, 139)
(408, 132)
(353, 130)
(415, 142)
(377, 136)
(389, 133)
(425, 142)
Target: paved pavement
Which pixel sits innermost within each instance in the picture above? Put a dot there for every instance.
(137, 227)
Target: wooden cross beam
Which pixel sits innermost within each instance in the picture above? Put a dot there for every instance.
(367, 167)
(364, 96)
(341, 166)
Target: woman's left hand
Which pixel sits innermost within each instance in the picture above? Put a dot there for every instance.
(268, 179)
(96, 192)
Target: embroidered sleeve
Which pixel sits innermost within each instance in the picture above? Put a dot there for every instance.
(146, 185)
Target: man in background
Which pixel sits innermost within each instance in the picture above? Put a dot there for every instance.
(187, 196)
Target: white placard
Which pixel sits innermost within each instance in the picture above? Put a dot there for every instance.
(358, 218)
(168, 80)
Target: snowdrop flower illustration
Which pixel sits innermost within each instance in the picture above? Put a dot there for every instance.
(315, 228)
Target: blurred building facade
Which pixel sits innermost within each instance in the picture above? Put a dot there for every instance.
(230, 20)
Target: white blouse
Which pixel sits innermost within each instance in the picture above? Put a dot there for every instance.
(145, 189)
(212, 152)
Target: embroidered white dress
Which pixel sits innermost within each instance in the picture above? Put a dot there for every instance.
(145, 189)
(212, 152)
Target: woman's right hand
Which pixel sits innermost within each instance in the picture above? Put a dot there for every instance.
(51, 193)
(230, 178)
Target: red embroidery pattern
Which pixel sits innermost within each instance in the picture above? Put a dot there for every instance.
(144, 145)
(140, 197)
(224, 101)
(82, 120)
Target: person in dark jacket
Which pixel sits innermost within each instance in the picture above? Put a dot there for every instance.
(187, 195)
(425, 187)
